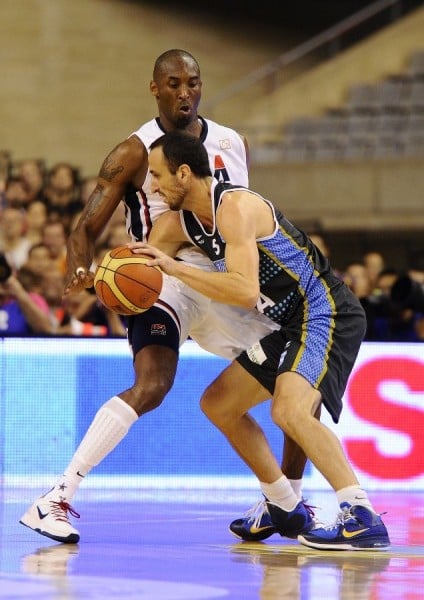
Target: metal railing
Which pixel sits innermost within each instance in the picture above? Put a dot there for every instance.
(332, 36)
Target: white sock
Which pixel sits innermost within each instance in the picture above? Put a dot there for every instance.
(109, 426)
(355, 495)
(280, 493)
(296, 485)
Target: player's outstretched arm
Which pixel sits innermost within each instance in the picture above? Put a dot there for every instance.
(126, 164)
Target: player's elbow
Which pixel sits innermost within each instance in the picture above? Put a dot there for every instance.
(249, 299)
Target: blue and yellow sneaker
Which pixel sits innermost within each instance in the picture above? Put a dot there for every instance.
(255, 526)
(291, 523)
(356, 528)
(264, 519)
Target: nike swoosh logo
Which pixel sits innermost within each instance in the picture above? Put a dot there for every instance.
(40, 514)
(79, 474)
(259, 529)
(352, 534)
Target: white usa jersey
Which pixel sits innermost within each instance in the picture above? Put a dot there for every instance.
(228, 163)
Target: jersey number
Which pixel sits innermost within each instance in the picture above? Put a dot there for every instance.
(215, 247)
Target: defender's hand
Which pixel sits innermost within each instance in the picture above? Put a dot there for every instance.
(81, 279)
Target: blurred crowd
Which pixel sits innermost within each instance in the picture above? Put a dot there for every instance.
(393, 300)
(39, 206)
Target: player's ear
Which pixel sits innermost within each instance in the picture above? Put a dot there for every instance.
(183, 172)
(154, 89)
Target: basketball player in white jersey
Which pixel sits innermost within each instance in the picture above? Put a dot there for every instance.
(180, 311)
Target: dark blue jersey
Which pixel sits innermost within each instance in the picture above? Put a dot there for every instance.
(295, 279)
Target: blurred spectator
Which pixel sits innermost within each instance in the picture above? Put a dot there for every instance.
(323, 247)
(320, 243)
(408, 290)
(416, 267)
(356, 277)
(374, 264)
(5, 168)
(16, 194)
(77, 305)
(22, 310)
(13, 242)
(32, 172)
(78, 314)
(88, 317)
(54, 237)
(39, 260)
(52, 291)
(36, 218)
(385, 280)
(407, 296)
(62, 191)
(33, 283)
(381, 313)
(395, 307)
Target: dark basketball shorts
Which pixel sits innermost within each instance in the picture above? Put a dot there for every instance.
(155, 327)
(322, 350)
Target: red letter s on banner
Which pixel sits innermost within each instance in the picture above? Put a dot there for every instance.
(366, 402)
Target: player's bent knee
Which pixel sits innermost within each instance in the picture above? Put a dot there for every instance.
(290, 421)
(206, 404)
(219, 412)
(149, 396)
(211, 408)
(284, 417)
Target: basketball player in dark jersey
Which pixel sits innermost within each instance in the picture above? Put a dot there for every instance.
(262, 260)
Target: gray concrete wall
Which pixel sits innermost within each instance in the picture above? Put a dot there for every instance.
(75, 73)
(373, 195)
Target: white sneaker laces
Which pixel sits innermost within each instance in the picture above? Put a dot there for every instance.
(344, 515)
(254, 515)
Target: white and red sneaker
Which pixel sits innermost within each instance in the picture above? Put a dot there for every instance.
(50, 518)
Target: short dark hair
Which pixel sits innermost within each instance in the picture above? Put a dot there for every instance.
(173, 54)
(182, 148)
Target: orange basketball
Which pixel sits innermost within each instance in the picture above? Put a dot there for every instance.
(125, 284)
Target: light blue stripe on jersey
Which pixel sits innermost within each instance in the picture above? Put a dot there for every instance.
(319, 309)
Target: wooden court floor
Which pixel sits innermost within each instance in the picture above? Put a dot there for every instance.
(176, 546)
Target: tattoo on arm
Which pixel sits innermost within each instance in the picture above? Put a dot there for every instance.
(94, 201)
(108, 171)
